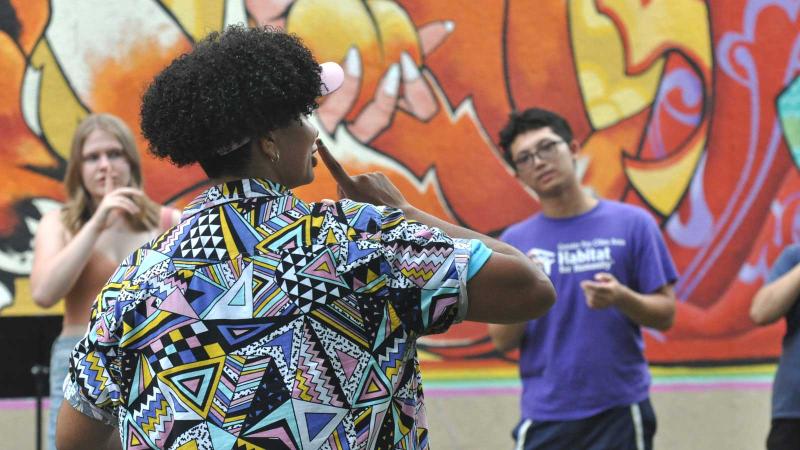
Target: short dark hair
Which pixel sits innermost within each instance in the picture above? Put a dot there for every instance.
(532, 119)
(236, 85)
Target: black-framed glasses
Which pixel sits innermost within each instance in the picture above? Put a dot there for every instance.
(545, 151)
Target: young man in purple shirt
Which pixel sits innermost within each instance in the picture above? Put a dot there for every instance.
(584, 376)
(780, 298)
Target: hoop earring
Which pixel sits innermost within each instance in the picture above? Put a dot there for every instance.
(275, 158)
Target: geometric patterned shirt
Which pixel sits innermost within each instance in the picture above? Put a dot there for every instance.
(262, 321)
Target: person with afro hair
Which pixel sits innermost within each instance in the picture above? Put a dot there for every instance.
(263, 321)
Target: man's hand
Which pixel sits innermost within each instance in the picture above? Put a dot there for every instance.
(654, 310)
(603, 292)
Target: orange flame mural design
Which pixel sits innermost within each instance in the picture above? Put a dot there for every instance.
(678, 105)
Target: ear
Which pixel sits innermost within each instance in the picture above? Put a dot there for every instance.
(574, 148)
(267, 146)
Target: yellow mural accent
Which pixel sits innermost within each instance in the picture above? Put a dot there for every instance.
(374, 27)
(198, 17)
(320, 24)
(397, 32)
(23, 302)
(663, 182)
(611, 93)
(60, 112)
(653, 27)
(379, 29)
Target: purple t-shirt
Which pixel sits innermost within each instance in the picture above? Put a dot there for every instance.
(575, 361)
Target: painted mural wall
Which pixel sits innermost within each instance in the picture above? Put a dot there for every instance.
(688, 108)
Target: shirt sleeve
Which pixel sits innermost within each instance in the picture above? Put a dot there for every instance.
(653, 266)
(480, 254)
(93, 384)
(429, 270)
(789, 257)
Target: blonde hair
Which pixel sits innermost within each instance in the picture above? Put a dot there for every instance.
(79, 208)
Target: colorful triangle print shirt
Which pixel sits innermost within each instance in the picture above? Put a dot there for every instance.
(263, 322)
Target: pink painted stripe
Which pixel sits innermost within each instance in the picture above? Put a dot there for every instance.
(470, 392)
(22, 403)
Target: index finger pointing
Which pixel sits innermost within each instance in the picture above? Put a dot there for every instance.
(109, 184)
(336, 169)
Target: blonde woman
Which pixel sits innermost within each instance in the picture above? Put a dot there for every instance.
(77, 248)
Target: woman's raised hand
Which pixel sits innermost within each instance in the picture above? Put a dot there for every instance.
(116, 202)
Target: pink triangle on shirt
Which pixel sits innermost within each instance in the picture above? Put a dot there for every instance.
(441, 305)
(176, 303)
(192, 384)
(349, 363)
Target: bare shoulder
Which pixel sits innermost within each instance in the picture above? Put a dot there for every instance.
(51, 223)
(51, 232)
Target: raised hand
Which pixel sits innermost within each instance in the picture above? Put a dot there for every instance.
(374, 187)
(116, 202)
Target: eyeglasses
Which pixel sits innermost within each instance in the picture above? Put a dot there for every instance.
(545, 152)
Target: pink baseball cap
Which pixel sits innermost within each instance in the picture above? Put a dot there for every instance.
(332, 77)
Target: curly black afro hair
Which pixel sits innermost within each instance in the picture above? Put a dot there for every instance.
(238, 84)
